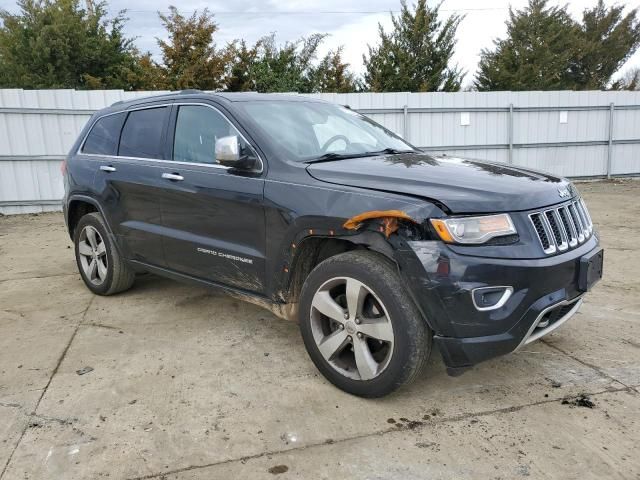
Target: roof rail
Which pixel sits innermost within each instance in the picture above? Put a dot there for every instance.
(188, 91)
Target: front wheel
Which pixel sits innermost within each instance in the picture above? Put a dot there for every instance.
(361, 328)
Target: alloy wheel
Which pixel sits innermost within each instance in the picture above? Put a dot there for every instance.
(93, 255)
(351, 328)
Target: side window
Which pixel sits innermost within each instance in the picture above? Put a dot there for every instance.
(103, 137)
(142, 133)
(197, 129)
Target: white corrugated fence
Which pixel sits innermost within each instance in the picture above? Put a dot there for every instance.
(575, 134)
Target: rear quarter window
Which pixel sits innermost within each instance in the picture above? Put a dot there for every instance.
(104, 135)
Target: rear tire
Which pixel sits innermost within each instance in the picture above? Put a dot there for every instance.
(101, 267)
(361, 328)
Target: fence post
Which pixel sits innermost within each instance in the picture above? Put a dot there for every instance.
(510, 133)
(610, 145)
(405, 125)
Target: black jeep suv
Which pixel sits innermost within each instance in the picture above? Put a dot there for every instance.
(323, 216)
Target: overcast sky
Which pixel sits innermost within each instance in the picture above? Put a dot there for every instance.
(350, 23)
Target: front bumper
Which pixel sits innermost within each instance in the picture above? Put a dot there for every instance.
(545, 294)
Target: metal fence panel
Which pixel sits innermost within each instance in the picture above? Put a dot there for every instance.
(575, 134)
(562, 160)
(625, 160)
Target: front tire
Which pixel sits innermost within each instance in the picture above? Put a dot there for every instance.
(101, 267)
(361, 328)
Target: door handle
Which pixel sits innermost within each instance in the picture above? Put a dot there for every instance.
(173, 176)
(107, 168)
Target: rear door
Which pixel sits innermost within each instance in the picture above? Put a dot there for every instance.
(130, 184)
(213, 217)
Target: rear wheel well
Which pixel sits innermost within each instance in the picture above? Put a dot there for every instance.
(77, 210)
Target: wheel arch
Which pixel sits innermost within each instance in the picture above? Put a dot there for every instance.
(313, 250)
(77, 208)
(80, 205)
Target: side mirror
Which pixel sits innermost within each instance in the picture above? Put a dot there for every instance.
(230, 153)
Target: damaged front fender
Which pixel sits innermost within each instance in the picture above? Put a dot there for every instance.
(312, 212)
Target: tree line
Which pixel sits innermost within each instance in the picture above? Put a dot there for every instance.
(69, 44)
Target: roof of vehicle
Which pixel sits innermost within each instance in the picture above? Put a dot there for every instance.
(228, 96)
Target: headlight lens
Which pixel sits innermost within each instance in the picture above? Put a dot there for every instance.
(473, 230)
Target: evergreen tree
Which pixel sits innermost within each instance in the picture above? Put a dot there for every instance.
(58, 44)
(291, 67)
(607, 39)
(190, 57)
(545, 49)
(416, 55)
(286, 68)
(537, 53)
(146, 74)
(240, 77)
(333, 75)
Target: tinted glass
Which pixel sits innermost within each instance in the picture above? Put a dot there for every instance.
(197, 129)
(142, 133)
(103, 138)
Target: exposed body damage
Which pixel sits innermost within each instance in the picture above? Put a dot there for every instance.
(326, 224)
(388, 220)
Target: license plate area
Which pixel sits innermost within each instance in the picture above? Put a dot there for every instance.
(590, 270)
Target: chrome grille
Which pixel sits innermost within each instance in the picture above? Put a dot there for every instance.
(539, 225)
(575, 218)
(564, 227)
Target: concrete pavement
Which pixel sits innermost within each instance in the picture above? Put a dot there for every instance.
(192, 384)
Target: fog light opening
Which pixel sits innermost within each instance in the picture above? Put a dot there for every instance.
(490, 298)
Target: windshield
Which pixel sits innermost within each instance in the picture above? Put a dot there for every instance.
(310, 130)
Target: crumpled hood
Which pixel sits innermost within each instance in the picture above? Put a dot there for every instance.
(462, 185)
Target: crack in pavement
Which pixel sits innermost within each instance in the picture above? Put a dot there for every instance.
(37, 277)
(415, 427)
(597, 369)
(44, 391)
(99, 325)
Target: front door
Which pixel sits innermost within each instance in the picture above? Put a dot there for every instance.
(213, 217)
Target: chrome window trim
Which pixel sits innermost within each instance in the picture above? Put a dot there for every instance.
(173, 162)
(506, 295)
(156, 160)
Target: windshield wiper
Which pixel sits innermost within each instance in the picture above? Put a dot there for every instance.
(331, 156)
(328, 157)
(392, 151)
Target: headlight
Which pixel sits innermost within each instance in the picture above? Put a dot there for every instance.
(473, 230)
